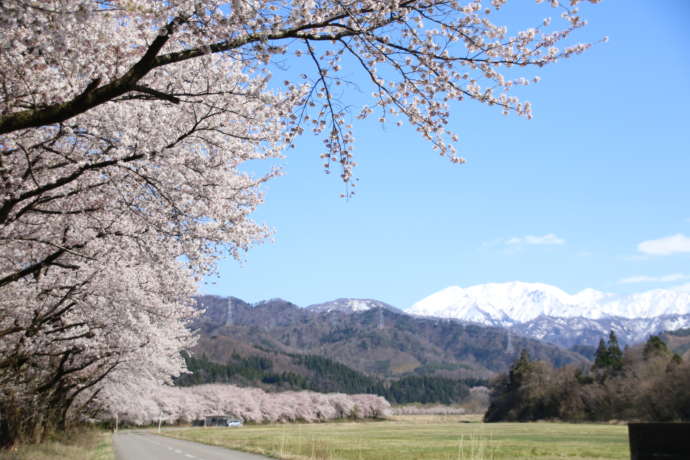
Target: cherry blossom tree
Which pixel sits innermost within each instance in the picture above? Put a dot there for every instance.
(123, 125)
(120, 322)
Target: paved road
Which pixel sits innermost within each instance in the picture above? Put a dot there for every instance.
(137, 445)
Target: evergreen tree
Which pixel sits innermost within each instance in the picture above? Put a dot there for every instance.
(615, 353)
(519, 370)
(601, 356)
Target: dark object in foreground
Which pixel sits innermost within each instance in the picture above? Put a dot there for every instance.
(659, 441)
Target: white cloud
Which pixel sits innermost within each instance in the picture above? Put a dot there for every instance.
(654, 279)
(548, 239)
(665, 246)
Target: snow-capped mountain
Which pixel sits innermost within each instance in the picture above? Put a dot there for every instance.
(507, 303)
(548, 313)
(350, 305)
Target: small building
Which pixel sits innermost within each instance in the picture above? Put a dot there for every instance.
(218, 420)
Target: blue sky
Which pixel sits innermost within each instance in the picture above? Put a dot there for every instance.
(568, 198)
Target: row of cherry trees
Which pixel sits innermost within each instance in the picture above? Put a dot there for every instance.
(123, 128)
(186, 404)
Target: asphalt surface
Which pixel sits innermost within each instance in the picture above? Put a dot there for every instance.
(137, 445)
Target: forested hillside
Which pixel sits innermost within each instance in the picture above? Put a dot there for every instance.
(648, 382)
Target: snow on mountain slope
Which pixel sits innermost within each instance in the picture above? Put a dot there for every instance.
(350, 305)
(568, 332)
(506, 304)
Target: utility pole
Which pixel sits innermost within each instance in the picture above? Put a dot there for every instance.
(509, 346)
(228, 314)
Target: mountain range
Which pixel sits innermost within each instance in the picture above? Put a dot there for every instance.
(444, 343)
(366, 335)
(548, 313)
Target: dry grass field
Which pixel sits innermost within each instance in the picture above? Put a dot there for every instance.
(89, 444)
(421, 438)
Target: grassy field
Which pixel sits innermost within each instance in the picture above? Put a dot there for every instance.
(79, 445)
(421, 438)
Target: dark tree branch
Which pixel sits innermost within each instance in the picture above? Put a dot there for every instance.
(155, 93)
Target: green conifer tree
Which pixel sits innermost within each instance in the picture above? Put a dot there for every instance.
(519, 370)
(615, 353)
(601, 356)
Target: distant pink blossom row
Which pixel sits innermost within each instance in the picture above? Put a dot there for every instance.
(185, 404)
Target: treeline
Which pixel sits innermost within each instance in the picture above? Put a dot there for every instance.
(332, 376)
(426, 389)
(325, 376)
(647, 382)
(239, 370)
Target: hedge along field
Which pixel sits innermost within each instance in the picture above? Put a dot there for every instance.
(422, 438)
